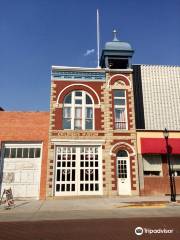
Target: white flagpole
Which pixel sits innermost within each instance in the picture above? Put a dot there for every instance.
(98, 38)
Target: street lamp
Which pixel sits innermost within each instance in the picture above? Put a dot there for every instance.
(171, 176)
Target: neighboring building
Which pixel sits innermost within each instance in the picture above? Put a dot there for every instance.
(92, 138)
(157, 101)
(23, 161)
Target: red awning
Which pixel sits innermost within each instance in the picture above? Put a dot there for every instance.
(158, 145)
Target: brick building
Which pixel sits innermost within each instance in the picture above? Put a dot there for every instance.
(157, 101)
(24, 145)
(92, 136)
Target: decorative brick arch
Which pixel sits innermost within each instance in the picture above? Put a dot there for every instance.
(81, 87)
(119, 77)
(122, 146)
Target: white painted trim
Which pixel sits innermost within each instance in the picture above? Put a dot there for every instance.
(120, 75)
(123, 143)
(22, 145)
(77, 68)
(79, 84)
(75, 142)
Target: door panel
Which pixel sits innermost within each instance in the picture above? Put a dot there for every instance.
(123, 176)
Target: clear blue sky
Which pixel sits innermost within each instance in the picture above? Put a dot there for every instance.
(35, 34)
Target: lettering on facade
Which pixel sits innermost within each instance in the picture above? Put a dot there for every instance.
(78, 134)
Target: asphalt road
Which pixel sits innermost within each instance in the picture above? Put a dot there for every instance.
(91, 229)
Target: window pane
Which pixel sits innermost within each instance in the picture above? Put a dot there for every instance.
(88, 100)
(119, 101)
(66, 123)
(19, 152)
(78, 112)
(89, 124)
(122, 153)
(120, 115)
(13, 152)
(78, 93)
(37, 152)
(120, 118)
(31, 153)
(7, 152)
(119, 93)
(67, 112)
(78, 101)
(25, 153)
(89, 112)
(77, 124)
(68, 98)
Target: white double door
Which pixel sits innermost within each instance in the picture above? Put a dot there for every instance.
(123, 176)
(78, 170)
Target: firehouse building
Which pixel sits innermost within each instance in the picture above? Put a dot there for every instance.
(92, 133)
(103, 135)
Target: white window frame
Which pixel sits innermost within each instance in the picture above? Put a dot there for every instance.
(120, 107)
(83, 105)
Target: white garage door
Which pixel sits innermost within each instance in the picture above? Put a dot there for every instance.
(21, 168)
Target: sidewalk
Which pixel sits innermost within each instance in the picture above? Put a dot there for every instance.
(71, 208)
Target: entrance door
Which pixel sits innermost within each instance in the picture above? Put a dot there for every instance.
(123, 174)
(78, 170)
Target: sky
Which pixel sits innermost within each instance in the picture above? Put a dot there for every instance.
(36, 34)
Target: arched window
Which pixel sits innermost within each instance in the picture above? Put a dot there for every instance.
(122, 153)
(78, 111)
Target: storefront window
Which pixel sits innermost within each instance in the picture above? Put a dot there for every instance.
(152, 165)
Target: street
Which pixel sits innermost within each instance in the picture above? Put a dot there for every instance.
(90, 229)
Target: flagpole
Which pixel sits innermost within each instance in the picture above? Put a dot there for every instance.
(98, 38)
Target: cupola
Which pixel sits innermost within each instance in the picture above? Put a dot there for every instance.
(116, 54)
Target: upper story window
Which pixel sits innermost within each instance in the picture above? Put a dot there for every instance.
(120, 109)
(78, 111)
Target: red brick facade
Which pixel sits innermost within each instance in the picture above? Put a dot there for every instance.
(112, 139)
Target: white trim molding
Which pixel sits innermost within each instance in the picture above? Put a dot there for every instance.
(75, 142)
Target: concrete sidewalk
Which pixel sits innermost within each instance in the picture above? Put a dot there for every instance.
(71, 208)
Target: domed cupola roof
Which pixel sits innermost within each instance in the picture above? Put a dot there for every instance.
(117, 49)
(118, 45)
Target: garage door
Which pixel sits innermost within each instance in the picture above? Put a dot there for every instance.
(78, 170)
(20, 169)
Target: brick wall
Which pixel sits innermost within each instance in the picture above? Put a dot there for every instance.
(155, 185)
(27, 126)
